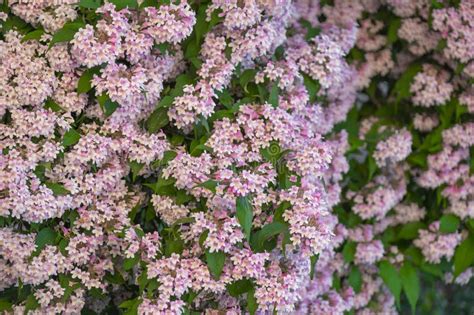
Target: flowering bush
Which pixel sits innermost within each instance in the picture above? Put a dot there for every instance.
(169, 157)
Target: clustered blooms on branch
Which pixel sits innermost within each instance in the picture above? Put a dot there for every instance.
(165, 157)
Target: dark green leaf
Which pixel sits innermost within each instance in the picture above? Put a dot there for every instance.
(391, 278)
(415, 255)
(47, 236)
(252, 304)
(418, 159)
(348, 251)
(449, 223)
(215, 262)
(409, 231)
(34, 35)
(372, 166)
(71, 137)
(273, 97)
(174, 246)
(246, 77)
(5, 306)
(410, 284)
(209, 184)
(128, 263)
(122, 4)
(166, 102)
(268, 231)
(433, 269)
(50, 104)
(136, 167)
(66, 33)
(157, 120)
(355, 279)
(108, 106)
(239, 287)
(131, 306)
(31, 303)
(84, 83)
(225, 98)
(278, 216)
(90, 4)
(57, 188)
(244, 215)
(312, 87)
(313, 261)
(402, 86)
(463, 256)
(392, 33)
(167, 156)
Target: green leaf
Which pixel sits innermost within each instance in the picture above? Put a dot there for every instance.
(135, 167)
(128, 263)
(278, 215)
(313, 260)
(90, 4)
(174, 246)
(84, 84)
(355, 279)
(273, 97)
(239, 287)
(122, 4)
(434, 269)
(34, 35)
(58, 189)
(215, 262)
(202, 26)
(225, 98)
(166, 102)
(131, 306)
(31, 303)
(392, 33)
(410, 284)
(66, 33)
(50, 104)
(108, 106)
(372, 166)
(5, 306)
(311, 31)
(463, 256)
(181, 81)
(47, 236)
(71, 137)
(402, 86)
(167, 157)
(252, 304)
(414, 253)
(14, 22)
(348, 251)
(449, 223)
(150, 3)
(160, 186)
(391, 278)
(312, 87)
(115, 278)
(418, 159)
(244, 215)
(409, 231)
(157, 120)
(268, 231)
(246, 77)
(209, 184)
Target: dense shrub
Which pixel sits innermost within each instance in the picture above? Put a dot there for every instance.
(235, 156)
